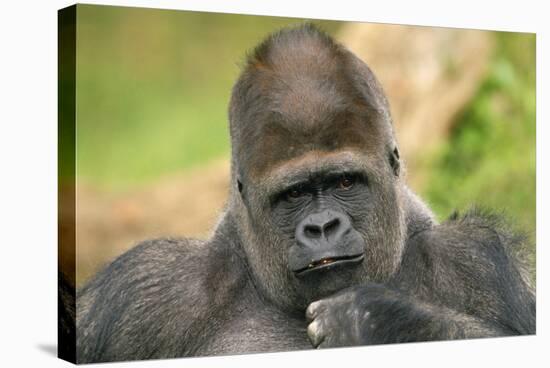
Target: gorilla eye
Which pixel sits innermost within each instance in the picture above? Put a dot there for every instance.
(295, 193)
(346, 182)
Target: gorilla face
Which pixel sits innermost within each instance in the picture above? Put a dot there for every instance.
(317, 211)
(315, 162)
(330, 222)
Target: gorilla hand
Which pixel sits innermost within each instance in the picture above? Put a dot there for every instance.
(356, 316)
(375, 314)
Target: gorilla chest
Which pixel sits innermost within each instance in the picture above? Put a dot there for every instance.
(255, 329)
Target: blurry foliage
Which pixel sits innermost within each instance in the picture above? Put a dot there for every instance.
(489, 159)
(153, 88)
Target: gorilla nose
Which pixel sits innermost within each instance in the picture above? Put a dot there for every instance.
(327, 226)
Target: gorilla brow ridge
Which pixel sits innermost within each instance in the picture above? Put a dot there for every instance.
(280, 178)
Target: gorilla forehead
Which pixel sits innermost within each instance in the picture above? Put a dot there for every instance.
(285, 115)
(307, 116)
(300, 92)
(301, 75)
(305, 103)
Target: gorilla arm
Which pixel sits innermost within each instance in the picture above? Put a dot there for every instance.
(461, 279)
(159, 300)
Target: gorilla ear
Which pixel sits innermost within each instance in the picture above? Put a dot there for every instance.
(394, 161)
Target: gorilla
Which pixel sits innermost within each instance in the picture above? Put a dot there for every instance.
(322, 244)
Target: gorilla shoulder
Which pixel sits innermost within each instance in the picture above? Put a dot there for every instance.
(143, 294)
(468, 260)
(476, 237)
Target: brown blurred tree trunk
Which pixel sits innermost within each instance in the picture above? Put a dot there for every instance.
(429, 74)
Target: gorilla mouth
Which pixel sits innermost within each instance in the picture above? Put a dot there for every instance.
(329, 262)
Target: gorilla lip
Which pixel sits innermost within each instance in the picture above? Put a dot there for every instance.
(329, 262)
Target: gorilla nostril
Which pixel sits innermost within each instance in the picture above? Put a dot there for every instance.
(331, 226)
(312, 231)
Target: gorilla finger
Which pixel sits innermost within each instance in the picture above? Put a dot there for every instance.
(314, 332)
(313, 309)
(328, 342)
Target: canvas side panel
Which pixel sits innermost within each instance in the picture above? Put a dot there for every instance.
(66, 183)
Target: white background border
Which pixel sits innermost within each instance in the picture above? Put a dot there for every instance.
(28, 202)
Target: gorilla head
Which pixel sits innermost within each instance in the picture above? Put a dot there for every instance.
(316, 186)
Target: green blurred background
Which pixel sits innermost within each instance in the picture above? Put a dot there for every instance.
(490, 156)
(152, 94)
(154, 87)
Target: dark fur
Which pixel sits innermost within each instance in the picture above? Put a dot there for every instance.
(66, 345)
(304, 107)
